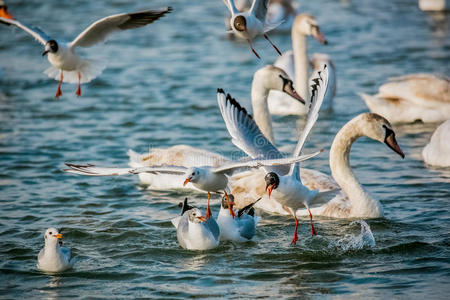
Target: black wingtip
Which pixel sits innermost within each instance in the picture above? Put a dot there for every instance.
(248, 209)
(169, 9)
(221, 91)
(236, 104)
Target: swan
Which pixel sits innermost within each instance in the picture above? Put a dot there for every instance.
(352, 201)
(405, 99)
(295, 63)
(437, 151)
(265, 79)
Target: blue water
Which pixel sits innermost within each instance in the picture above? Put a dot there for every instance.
(158, 91)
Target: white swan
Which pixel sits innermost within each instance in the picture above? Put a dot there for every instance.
(353, 201)
(437, 151)
(434, 5)
(295, 63)
(265, 79)
(405, 99)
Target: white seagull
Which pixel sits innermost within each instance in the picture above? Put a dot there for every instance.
(206, 178)
(195, 231)
(53, 257)
(284, 184)
(67, 66)
(249, 24)
(240, 228)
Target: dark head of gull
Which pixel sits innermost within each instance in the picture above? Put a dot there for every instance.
(51, 46)
(226, 203)
(240, 24)
(272, 181)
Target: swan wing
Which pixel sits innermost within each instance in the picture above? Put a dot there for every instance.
(318, 90)
(35, 32)
(101, 29)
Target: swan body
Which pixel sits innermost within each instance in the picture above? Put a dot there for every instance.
(437, 151)
(405, 99)
(295, 63)
(53, 257)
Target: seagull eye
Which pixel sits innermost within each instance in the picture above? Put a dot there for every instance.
(193, 173)
(50, 233)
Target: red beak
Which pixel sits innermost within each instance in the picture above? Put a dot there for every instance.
(5, 14)
(187, 181)
(269, 188)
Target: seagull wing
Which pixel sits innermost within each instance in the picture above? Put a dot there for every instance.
(35, 32)
(92, 170)
(318, 90)
(101, 29)
(231, 6)
(245, 134)
(259, 9)
(228, 168)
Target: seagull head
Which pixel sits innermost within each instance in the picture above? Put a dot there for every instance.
(239, 23)
(193, 175)
(51, 46)
(272, 181)
(227, 202)
(195, 216)
(52, 236)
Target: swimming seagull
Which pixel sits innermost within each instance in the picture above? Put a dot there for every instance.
(249, 24)
(241, 228)
(67, 66)
(53, 257)
(206, 178)
(195, 231)
(285, 184)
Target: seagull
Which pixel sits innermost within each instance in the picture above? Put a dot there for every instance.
(68, 66)
(285, 184)
(195, 231)
(53, 257)
(240, 228)
(249, 24)
(4, 11)
(206, 178)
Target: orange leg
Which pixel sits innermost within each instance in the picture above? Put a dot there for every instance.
(58, 90)
(267, 38)
(208, 210)
(295, 239)
(229, 206)
(313, 230)
(254, 52)
(79, 85)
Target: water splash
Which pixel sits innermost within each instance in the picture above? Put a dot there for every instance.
(364, 239)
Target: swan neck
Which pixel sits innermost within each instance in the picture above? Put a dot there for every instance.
(362, 204)
(300, 63)
(261, 112)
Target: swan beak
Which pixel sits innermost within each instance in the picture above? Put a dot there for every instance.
(187, 180)
(392, 143)
(5, 14)
(202, 218)
(45, 52)
(58, 236)
(269, 188)
(293, 94)
(318, 35)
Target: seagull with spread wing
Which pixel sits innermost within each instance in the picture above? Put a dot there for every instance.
(249, 24)
(283, 184)
(206, 178)
(68, 66)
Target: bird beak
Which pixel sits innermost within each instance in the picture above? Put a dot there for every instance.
(318, 35)
(291, 92)
(202, 218)
(392, 143)
(269, 188)
(58, 236)
(187, 180)
(5, 14)
(45, 52)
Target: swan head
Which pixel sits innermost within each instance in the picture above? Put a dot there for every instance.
(226, 203)
(378, 128)
(193, 175)
(51, 46)
(52, 236)
(272, 181)
(317, 61)
(195, 216)
(239, 23)
(307, 25)
(274, 78)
